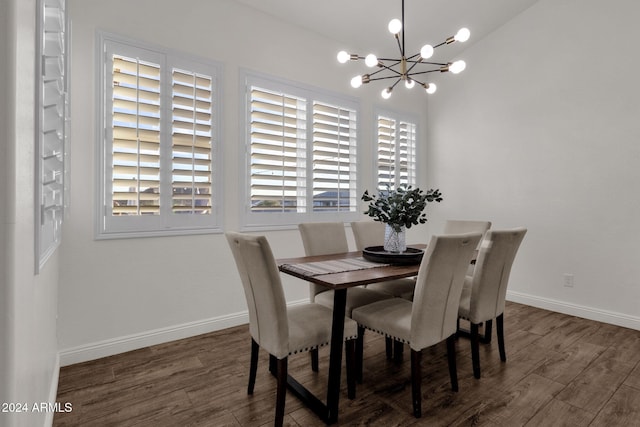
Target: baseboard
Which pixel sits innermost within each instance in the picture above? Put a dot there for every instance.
(53, 390)
(123, 344)
(590, 313)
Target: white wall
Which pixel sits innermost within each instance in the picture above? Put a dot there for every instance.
(116, 295)
(542, 130)
(28, 302)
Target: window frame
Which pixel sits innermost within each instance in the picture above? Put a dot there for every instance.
(287, 220)
(166, 223)
(398, 117)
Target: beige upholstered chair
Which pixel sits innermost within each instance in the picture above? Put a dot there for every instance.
(483, 294)
(371, 233)
(324, 238)
(432, 316)
(281, 331)
(456, 226)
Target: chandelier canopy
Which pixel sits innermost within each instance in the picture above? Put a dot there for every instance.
(409, 69)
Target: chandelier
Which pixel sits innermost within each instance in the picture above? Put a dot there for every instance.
(409, 69)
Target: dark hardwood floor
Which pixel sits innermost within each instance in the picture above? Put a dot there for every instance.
(560, 371)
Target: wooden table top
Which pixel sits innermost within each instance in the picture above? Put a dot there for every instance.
(347, 279)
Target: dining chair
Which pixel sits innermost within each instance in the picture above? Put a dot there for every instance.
(371, 233)
(432, 316)
(280, 330)
(483, 294)
(457, 226)
(324, 238)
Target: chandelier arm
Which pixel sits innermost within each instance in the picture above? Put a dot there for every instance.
(384, 68)
(400, 47)
(418, 81)
(425, 72)
(413, 65)
(441, 64)
(384, 78)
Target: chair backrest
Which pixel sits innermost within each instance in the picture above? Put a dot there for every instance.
(491, 276)
(368, 233)
(457, 226)
(322, 238)
(263, 291)
(434, 313)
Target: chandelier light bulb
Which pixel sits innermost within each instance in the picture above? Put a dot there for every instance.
(462, 35)
(408, 83)
(457, 67)
(343, 56)
(371, 60)
(356, 82)
(430, 88)
(395, 26)
(426, 52)
(386, 93)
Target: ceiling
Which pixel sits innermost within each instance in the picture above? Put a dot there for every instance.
(360, 26)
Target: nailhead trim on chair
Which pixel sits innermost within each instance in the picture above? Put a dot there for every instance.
(385, 334)
(352, 337)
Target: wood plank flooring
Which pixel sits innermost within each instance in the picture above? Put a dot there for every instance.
(560, 371)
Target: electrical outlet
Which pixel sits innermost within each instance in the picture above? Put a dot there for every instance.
(568, 280)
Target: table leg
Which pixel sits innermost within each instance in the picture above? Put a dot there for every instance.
(335, 354)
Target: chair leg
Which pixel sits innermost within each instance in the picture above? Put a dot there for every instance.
(487, 331)
(416, 382)
(389, 347)
(475, 350)
(451, 358)
(500, 333)
(273, 365)
(281, 392)
(253, 367)
(359, 354)
(398, 350)
(314, 359)
(350, 357)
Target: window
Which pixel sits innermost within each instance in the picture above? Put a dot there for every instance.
(52, 127)
(396, 156)
(301, 154)
(160, 136)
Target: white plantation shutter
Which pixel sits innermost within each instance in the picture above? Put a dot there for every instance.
(396, 152)
(301, 154)
(386, 152)
(191, 143)
(159, 166)
(334, 158)
(52, 126)
(136, 137)
(278, 152)
(407, 153)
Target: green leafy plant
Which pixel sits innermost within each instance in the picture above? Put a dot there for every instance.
(402, 207)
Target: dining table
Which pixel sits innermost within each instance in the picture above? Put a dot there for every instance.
(338, 272)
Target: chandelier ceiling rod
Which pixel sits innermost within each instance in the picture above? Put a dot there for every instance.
(402, 68)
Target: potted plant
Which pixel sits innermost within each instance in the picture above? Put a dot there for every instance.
(399, 209)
